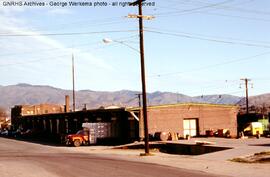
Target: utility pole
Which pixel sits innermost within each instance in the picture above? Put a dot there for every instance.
(246, 80)
(73, 84)
(139, 99)
(141, 17)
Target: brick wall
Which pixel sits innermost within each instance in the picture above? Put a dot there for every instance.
(41, 109)
(210, 117)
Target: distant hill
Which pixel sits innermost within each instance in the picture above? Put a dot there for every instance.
(219, 99)
(36, 94)
(257, 101)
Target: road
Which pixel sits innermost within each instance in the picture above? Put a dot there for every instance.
(24, 159)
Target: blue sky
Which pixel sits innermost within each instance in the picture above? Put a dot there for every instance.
(194, 47)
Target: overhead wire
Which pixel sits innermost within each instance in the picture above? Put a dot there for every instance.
(46, 50)
(67, 47)
(80, 27)
(76, 24)
(202, 11)
(208, 12)
(66, 34)
(215, 85)
(32, 61)
(212, 65)
(202, 93)
(235, 16)
(209, 5)
(207, 39)
(61, 57)
(229, 39)
(49, 58)
(231, 8)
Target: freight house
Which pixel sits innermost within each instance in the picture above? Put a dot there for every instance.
(123, 126)
(191, 119)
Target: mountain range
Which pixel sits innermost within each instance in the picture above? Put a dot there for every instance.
(36, 94)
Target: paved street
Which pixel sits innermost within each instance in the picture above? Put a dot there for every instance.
(23, 159)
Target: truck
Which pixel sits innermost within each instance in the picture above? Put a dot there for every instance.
(253, 129)
(78, 139)
(90, 133)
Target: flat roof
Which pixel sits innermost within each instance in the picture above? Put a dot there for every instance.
(186, 104)
(99, 110)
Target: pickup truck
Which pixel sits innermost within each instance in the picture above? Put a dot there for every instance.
(80, 138)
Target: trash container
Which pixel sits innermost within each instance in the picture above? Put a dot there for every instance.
(209, 133)
(220, 133)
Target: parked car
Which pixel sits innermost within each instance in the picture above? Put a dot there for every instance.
(4, 133)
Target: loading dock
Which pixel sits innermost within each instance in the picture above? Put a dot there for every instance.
(119, 123)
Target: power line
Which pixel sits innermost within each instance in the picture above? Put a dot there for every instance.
(57, 57)
(208, 36)
(95, 22)
(47, 50)
(66, 34)
(68, 47)
(83, 27)
(235, 16)
(215, 6)
(211, 66)
(193, 9)
(190, 2)
(220, 14)
(31, 61)
(203, 94)
(211, 13)
(215, 86)
(243, 10)
(207, 39)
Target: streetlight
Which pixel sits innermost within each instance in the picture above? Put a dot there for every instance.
(146, 137)
(107, 41)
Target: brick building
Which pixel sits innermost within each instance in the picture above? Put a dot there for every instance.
(123, 128)
(28, 110)
(3, 122)
(192, 119)
(40, 109)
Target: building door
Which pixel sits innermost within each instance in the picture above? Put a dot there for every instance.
(190, 127)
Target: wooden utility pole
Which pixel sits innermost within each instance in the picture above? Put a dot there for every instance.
(141, 17)
(139, 99)
(73, 85)
(246, 80)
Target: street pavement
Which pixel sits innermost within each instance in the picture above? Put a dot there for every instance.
(215, 163)
(25, 159)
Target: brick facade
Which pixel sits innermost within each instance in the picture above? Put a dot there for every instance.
(170, 118)
(41, 109)
(26, 110)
